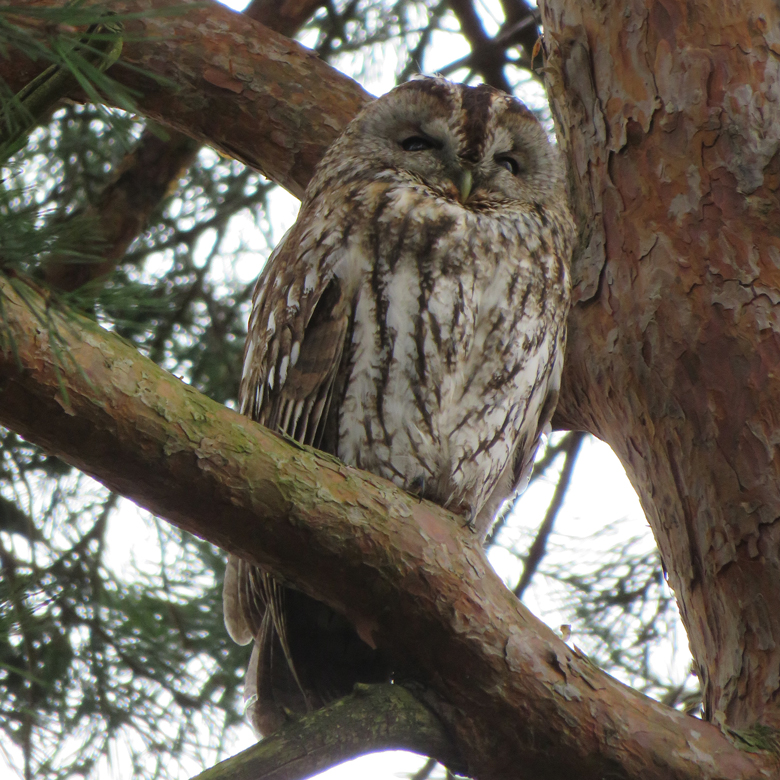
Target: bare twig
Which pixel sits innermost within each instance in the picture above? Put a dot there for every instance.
(485, 58)
(424, 772)
(537, 549)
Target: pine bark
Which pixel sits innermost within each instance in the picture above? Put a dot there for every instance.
(669, 113)
(148, 173)
(226, 81)
(518, 702)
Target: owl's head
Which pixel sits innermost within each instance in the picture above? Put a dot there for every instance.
(476, 145)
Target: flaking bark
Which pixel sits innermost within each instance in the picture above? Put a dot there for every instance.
(518, 701)
(670, 116)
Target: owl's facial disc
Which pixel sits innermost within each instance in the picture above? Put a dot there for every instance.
(436, 161)
(472, 145)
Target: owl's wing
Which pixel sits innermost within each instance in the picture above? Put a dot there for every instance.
(517, 473)
(297, 333)
(525, 455)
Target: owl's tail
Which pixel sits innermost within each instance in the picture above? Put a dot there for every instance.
(305, 654)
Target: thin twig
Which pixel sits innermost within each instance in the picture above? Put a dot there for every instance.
(538, 548)
(424, 772)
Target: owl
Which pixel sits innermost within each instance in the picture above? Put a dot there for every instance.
(412, 323)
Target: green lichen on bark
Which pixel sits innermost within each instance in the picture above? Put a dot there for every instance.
(374, 717)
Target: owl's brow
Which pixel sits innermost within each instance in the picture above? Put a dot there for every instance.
(476, 104)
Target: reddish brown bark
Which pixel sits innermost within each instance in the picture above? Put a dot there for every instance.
(518, 701)
(286, 17)
(231, 83)
(670, 116)
(149, 172)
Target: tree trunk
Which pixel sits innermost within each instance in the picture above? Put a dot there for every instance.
(669, 114)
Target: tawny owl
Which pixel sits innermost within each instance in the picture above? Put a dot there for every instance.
(412, 322)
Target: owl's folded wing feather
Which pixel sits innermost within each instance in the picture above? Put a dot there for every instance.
(297, 332)
(241, 622)
(524, 461)
(517, 472)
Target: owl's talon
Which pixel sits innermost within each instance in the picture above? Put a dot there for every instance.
(416, 487)
(471, 522)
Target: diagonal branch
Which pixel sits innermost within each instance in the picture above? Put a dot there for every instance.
(148, 172)
(409, 575)
(126, 204)
(373, 718)
(539, 546)
(286, 17)
(521, 26)
(226, 81)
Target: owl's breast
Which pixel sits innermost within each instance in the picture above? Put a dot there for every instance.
(450, 358)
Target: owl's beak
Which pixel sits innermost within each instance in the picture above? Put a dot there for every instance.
(464, 185)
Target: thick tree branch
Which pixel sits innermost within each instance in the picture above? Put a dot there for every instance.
(147, 174)
(230, 83)
(373, 718)
(412, 578)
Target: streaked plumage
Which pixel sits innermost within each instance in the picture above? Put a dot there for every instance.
(412, 323)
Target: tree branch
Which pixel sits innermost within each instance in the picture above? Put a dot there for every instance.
(538, 547)
(147, 173)
(286, 17)
(373, 718)
(485, 57)
(226, 81)
(412, 578)
(126, 203)
(520, 27)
